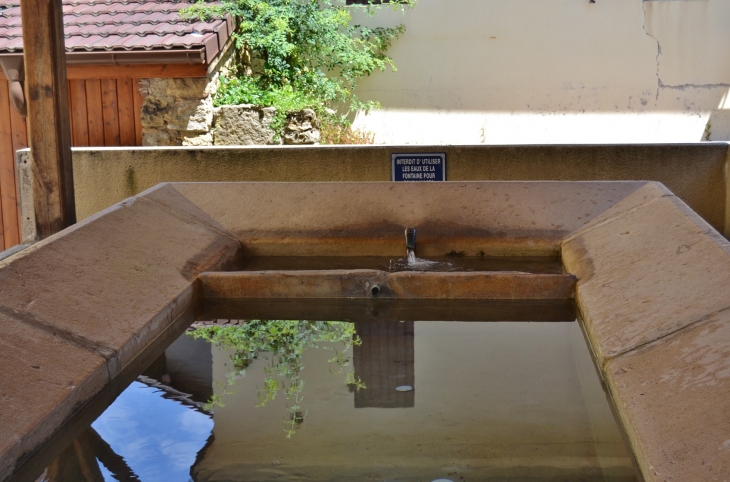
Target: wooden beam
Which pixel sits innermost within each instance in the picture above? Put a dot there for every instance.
(46, 89)
(142, 71)
(20, 141)
(155, 71)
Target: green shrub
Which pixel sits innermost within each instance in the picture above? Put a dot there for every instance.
(302, 53)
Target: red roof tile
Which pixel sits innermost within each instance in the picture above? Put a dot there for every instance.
(121, 25)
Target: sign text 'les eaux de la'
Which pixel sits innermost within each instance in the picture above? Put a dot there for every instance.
(418, 167)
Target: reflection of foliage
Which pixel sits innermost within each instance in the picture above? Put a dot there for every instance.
(285, 341)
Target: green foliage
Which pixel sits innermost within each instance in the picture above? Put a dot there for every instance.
(302, 50)
(282, 342)
(246, 90)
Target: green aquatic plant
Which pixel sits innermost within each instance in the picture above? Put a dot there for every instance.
(282, 343)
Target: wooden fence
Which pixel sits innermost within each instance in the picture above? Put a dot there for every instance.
(103, 112)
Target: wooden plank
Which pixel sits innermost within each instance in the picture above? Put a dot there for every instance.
(127, 119)
(70, 109)
(94, 113)
(6, 150)
(110, 112)
(137, 112)
(79, 121)
(157, 71)
(19, 131)
(8, 191)
(48, 126)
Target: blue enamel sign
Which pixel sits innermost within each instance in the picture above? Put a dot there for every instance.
(419, 167)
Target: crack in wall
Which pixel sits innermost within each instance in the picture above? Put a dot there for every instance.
(658, 48)
(662, 85)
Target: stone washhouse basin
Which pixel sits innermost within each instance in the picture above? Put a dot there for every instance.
(83, 312)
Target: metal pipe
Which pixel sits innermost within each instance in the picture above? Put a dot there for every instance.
(411, 239)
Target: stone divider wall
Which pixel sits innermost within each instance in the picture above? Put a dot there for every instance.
(104, 176)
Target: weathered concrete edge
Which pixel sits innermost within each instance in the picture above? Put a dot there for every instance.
(572, 259)
(14, 250)
(618, 394)
(367, 284)
(116, 361)
(27, 446)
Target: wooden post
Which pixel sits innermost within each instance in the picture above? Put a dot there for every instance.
(49, 133)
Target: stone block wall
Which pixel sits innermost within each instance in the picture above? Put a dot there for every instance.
(180, 112)
(240, 125)
(177, 112)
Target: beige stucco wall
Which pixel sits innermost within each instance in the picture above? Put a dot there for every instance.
(105, 176)
(556, 71)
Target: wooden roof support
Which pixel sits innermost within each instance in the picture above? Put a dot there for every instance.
(48, 120)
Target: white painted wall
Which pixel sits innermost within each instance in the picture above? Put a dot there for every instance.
(554, 71)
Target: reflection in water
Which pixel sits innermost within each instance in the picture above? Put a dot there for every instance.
(384, 362)
(79, 461)
(144, 435)
(496, 402)
(282, 343)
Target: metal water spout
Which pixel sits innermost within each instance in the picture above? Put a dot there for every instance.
(410, 240)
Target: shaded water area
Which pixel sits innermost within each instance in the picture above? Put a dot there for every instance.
(477, 391)
(455, 262)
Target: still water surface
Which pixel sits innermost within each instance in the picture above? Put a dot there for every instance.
(371, 401)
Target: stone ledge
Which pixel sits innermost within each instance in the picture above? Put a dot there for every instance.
(652, 285)
(364, 219)
(673, 397)
(94, 295)
(326, 284)
(43, 379)
(635, 271)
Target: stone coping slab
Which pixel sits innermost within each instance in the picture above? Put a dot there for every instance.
(83, 304)
(367, 219)
(368, 283)
(652, 287)
(376, 310)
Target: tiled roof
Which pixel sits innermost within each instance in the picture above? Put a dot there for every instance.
(121, 25)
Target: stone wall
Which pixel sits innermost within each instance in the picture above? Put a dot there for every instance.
(177, 112)
(180, 112)
(104, 176)
(237, 125)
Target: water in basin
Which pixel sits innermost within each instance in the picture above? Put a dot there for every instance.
(455, 262)
(367, 400)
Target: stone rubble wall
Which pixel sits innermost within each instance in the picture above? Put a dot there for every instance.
(240, 125)
(177, 112)
(180, 112)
